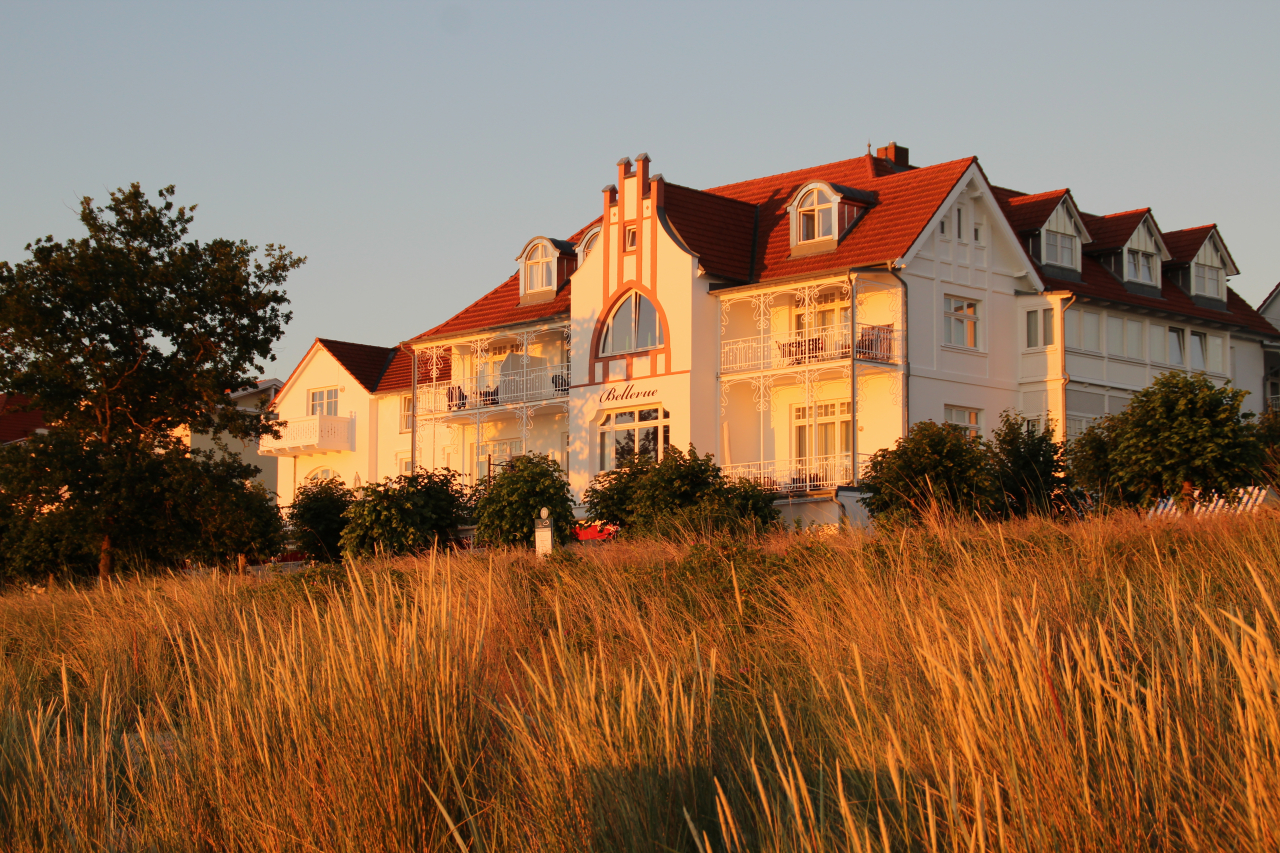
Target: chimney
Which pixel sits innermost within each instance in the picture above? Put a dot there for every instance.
(895, 153)
(642, 172)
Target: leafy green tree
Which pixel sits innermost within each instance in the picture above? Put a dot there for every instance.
(526, 484)
(122, 339)
(934, 466)
(1029, 465)
(1179, 436)
(683, 489)
(318, 517)
(405, 515)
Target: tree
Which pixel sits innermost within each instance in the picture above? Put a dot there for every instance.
(124, 338)
(935, 465)
(318, 517)
(526, 484)
(683, 489)
(1029, 465)
(1182, 436)
(408, 514)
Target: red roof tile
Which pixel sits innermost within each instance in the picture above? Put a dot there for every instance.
(1184, 244)
(1028, 212)
(1113, 230)
(15, 423)
(720, 230)
(500, 307)
(1099, 283)
(366, 363)
(906, 202)
(399, 375)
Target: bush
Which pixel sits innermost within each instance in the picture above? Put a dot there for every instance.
(934, 466)
(405, 515)
(318, 516)
(1180, 436)
(683, 490)
(1029, 466)
(507, 505)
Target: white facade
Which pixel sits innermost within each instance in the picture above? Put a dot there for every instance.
(791, 336)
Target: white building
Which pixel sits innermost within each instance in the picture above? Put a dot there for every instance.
(791, 325)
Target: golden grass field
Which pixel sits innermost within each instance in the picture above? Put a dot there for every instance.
(1103, 686)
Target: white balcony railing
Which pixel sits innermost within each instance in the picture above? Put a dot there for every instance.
(797, 475)
(315, 434)
(881, 344)
(516, 386)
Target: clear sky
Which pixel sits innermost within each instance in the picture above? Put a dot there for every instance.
(411, 149)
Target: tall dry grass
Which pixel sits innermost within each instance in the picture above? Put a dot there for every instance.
(1104, 686)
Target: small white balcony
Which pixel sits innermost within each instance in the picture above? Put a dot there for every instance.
(499, 389)
(813, 473)
(316, 434)
(871, 343)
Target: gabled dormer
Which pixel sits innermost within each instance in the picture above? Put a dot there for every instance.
(545, 264)
(1200, 264)
(1129, 244)
(1050, 227)
(821, 214)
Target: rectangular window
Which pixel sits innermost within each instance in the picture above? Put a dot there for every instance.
(1033, 329)
(960, 322)
(324, 402)
(1039, 328)
(970, 419)
(977, 232)
(1071, 327)
(1142, 267)
(1115, 335)
(1133, 339)
(1059, 249)
(1214, 355)
(1091, 331)
(1176, 347)
(1158, 338)
(960, 223)
(639, 432)
(1208, 281)
(406, 465)
(1076, 426)
(1047, 315)
(942, 227)
(629, 239)
(1199, 347)
(1132, 271)
(406, 413)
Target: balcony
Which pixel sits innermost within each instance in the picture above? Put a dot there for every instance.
(503, 389)
(814, 473)
(872, 343)
(316, 434)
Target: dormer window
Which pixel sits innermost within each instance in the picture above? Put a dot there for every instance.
(589, 243)
(1059, 249)
(629, 239)
(1208, 281)
(539, 269)
(634, 326)
(1141, 267)
(815, 216)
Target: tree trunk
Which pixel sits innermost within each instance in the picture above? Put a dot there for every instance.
(242, 564)
(1188, 495)
(106, 560)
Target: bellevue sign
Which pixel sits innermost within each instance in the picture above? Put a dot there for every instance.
(627, 392)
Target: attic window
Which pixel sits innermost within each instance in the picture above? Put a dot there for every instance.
(1208, 281)
(1141, 267)
(629, 239)
(815, 211)
(1059, 249)
(590, 243)
(539, 269)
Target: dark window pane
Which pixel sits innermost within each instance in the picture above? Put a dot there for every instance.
(666, 439)
(624, 443)
(606, 446)
(648, 442)
(647, 325)
(625, 418)
(623, 326)
(648, 414)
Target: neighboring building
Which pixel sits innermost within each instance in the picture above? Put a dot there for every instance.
(263, 391)
(1270, 309)
(792, 325)
(17, 423)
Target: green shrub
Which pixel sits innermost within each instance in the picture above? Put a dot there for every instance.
(508, 503)
(669, 497)
(317, 517)
(405, 515)
(1029, 466)
(1180, 435)
(935, 465)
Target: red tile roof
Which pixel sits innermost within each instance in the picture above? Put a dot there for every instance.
(906, 202)
(500, 307)
(1183, 245)
(720, 230)
(399, 375)
(1028, 212)
(366, 363)
(1113, 230)
(15, 423)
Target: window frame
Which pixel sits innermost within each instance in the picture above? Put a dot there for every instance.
(1200, 277)
(972, 422)
(328, 403)
(630, 237)
(1038, 326)
(1136, 263)
(607, 336)
(547, 260)
(1058, 248)
(823, 200)
(406, 413)
(838, 412)
(607, 424)
(972, 320)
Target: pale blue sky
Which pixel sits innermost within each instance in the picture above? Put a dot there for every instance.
(410, 150)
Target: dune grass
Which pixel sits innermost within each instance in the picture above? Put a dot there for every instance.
(1111, 685)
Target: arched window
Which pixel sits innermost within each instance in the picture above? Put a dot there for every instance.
(633, 326)
(539, 269)
(589, 243)
(323, 474)
(815, 210)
